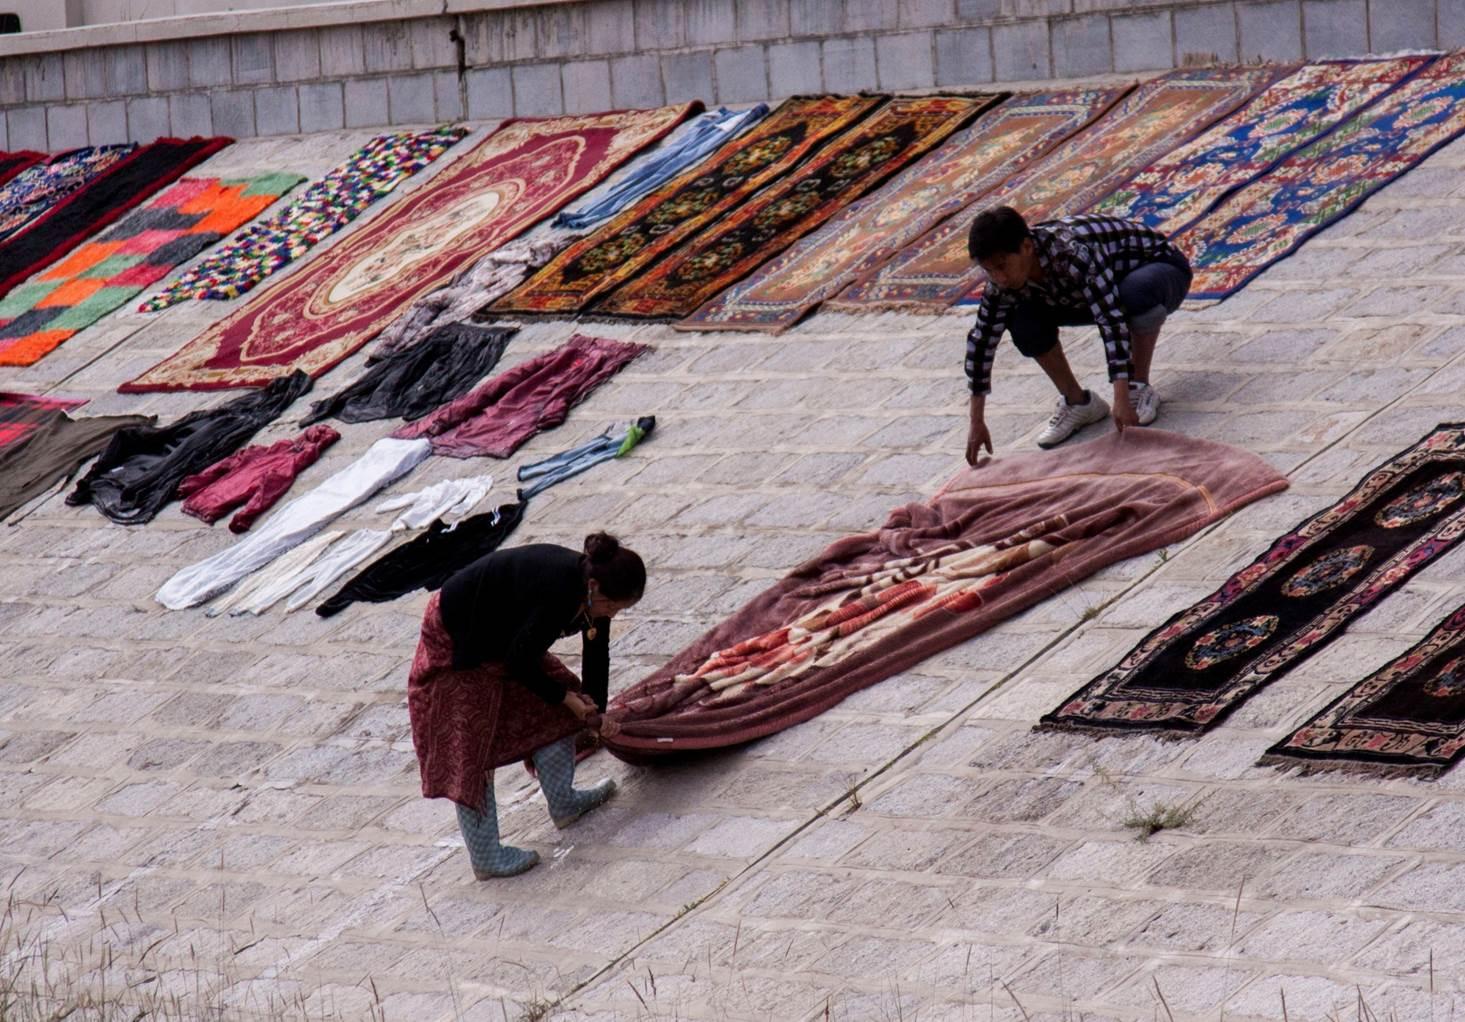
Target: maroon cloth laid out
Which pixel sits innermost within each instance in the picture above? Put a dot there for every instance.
(129, 182)
(12, 164)
(496, 417)
(467, 722)
(252, 479)
(996, 540)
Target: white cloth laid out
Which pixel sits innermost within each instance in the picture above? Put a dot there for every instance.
(383, 463)
(334, 563)
(302, 580)
(451, 498)
(287, 563)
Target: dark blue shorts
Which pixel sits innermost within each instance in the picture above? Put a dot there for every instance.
(1148, 293)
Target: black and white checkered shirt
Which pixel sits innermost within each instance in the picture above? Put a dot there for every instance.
(1083, 259)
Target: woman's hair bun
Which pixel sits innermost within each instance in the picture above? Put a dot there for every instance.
(600, 547)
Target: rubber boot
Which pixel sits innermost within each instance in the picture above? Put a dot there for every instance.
(555, 765)
(490, 857)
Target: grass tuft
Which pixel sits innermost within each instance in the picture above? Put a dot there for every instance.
(1159, 816)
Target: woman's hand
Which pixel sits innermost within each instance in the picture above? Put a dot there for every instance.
(582, 706)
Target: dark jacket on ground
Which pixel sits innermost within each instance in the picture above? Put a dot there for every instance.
(427, 561)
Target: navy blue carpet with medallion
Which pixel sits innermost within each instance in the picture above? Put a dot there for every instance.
(1293, 600)
(1408, 717)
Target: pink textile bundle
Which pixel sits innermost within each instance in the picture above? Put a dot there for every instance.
(996, 540)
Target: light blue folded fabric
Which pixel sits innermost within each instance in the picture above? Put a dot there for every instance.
(684, 147)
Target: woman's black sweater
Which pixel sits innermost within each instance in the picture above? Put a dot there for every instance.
(511, 605)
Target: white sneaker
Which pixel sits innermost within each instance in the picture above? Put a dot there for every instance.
(1069, 419)
(1146, 402)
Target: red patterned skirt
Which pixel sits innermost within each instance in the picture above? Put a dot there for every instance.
(466, 722)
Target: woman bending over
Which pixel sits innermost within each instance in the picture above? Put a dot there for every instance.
(485, 692)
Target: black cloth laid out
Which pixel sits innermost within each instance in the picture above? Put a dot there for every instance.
(52, 450)
(141, 468)
(411, 382)
(511, 606)
(427, 561)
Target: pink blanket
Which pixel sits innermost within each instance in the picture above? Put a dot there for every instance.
(994, 541)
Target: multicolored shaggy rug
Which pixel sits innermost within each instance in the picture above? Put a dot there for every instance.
(12, 164)
(617, 252)
(100, 201)
(1176, 190)
(329, 204)
(103, 273)
(820, 265)
(1315, 186)
(311, 320)
(37, 188)
(900, 132)
(995, 540)
(1406, 717)
(1160, 114)
(1290, 602)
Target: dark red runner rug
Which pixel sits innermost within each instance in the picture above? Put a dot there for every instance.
(100, 202)
(996, 540)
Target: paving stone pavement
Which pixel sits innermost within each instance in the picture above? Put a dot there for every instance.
(227, 809)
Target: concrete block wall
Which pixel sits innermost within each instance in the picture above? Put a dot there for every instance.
(272, 72)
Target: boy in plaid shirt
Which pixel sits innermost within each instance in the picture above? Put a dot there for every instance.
(1073, 271)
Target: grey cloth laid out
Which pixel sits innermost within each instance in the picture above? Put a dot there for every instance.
(52, 452)
(413, 381)
(141, 468)
(386, 461)
(492, 277)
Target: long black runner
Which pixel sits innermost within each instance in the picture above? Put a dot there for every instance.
(1406, 717)
(1290, 602)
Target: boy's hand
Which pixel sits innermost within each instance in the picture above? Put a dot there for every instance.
(1123, 408)
(977, 435)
